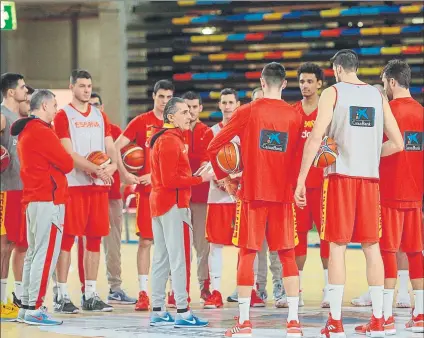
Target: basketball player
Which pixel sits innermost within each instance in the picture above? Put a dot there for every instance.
(44, 163)
(171, 220)
(311, 78)
(12, 220)
(139, 130)
(401, 191)
(24, 108)
(355, 115)
(265, 206)
(82, 129)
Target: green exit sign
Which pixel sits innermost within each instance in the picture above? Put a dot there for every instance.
(8, 16)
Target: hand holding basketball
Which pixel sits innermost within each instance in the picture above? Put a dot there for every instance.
(5, 159)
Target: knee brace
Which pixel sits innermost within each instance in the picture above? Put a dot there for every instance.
(67, 242)
(390, 264)
(416, 262)
(93, 244)
(324, 249)
(245, 275)
(302, 247)
(288, 261)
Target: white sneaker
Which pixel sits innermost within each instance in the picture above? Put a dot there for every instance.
(403, 300)
(281, 302)
(362, 300)
(325, 304)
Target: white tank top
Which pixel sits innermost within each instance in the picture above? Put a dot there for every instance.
(87, 135)
(357, 128)
(216, 195)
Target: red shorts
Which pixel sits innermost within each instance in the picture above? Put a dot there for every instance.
(12, 217)
(311, 214)
(143, 216)
(256, 220)
(220, 220)
(402, 229)
(351, 210)
(87, 213)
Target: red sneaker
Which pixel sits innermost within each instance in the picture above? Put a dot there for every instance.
(374, 328)
(240, 330)
(171, 301)
(143, 303)
(389, 327)
(214, 301)
(416, 323)
(294, 329)
(333, 328)
(204, 295)
(255, 300)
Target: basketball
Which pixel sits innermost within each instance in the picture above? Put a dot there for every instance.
(98, 158)
(5, 159)
(327, 153)
(229, 158)
(133, 157)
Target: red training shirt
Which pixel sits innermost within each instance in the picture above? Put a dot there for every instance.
(269, 132)
(115, 189)
(401, 174)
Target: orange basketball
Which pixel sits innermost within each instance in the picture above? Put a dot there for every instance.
(229, 158)
(5, 159)
(98, 158)
(133, 157)
(327, 153)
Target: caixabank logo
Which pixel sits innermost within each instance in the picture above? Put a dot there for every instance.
(362, 116)
(273, 140)
(413, 140)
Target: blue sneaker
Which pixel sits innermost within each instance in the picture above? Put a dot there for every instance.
(191, 322)
(120, 297)
(157, 320)
(40, 317)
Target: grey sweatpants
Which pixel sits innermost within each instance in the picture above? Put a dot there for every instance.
(44, 233)
(173, 234)
(274, 266)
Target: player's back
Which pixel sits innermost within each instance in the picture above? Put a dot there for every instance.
(268, 146)
(357, 128)
(401, 174)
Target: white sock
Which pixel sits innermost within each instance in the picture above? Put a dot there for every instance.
(19, 289)
(143, 281)
(376, 293)
(335, 296)
(63, 291)
(325, 277)
(3, 292)
(388, 295)
(90, 289)
(244, 307)
(419, 300)
(293, 303)
(300, 279)
(255, 272)
(403, 276)
(215, 265)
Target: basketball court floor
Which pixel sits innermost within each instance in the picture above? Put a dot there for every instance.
(268, 322)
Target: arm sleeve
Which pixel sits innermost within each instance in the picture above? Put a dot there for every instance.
(133, 127)
(54, 151)
(169, 156)
(108, 131)
(115, 131)
(61, 125)
(234, 127)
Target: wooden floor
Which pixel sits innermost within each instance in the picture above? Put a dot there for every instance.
(125, 322)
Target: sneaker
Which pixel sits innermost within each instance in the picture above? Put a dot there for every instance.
(325, 304)
(281, 302)
(214, 301)
(64, 306)
(416, 323)
(171, 301)
(16, 301)
(233, 298)
(374, 328)
(156, 319)
(362, 300)
(301, 302)
(191, 321)
(95, 304)
(389, 327)
(264, 295)
(120, 297)
(21, 315)
(255, 300)
(9, 312)
(294, 329)
(240, 330)
(40, 317)
(143, 303)
(403, 301)
(277, 289)
(204, 295)
(333, 329)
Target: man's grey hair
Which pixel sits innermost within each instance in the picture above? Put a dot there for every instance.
(171, 107)
(39, 97)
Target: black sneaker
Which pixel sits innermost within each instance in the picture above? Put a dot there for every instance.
(95, 304)
(16, 301)
(64, 306)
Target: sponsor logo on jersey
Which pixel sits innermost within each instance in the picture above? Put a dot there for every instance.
(273, 140)
(413, 140)
(362, 116)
